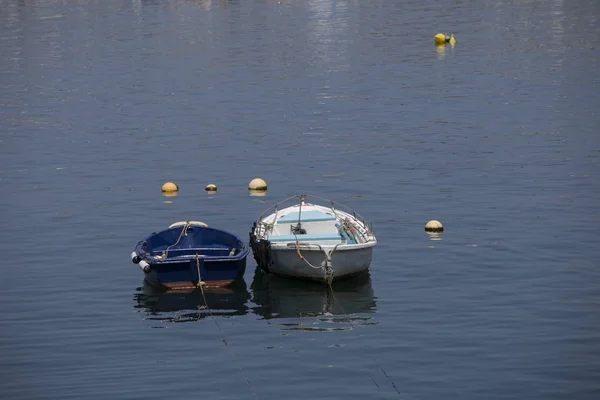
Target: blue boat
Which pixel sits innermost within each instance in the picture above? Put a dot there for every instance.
(190, 254)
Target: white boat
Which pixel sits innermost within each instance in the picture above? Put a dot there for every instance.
(312, 242)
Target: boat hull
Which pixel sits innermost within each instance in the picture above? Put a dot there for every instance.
(345, 262)
(188, 256)
(308, 241)
(184, 274)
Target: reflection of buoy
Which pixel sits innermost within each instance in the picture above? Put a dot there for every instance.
(441, 51)
(169, 194)
(257, 193)
(257, 184)
(434, 235)
(434, 226)
(211, 188)
(169, 187)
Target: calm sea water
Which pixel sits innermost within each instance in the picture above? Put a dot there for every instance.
(497, 137)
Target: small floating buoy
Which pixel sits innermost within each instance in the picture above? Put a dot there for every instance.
(441, 38)
(257, 184)
(169, 187)
(434, 226)
(211, 188)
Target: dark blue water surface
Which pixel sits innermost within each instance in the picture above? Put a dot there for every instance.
(101, 102)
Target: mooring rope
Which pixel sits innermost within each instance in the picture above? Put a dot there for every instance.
(327, 268)
(331, 293)
(200, 284)
(183, 230)
(304, 259)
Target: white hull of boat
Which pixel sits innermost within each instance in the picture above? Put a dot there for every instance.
(346, 261)
(312, 242)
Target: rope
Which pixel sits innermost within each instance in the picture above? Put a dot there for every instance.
(199, 283)
(327, 268)
(223, 339)
(183, 230)
(331, 293)
(304, 259)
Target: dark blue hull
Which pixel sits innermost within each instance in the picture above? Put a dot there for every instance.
(188, 256)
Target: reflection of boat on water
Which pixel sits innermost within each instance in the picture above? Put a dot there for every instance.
(190, 305)
(278, 297)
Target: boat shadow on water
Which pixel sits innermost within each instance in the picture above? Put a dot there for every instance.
(313, 306)
(299, 305)
(161, 304)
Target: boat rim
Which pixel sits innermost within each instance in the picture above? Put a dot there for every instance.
(301, 197)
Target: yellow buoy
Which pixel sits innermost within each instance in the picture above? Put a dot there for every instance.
(257, 184)
(169, 187)
(440, 38)
(211, 188)
(434, 226)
